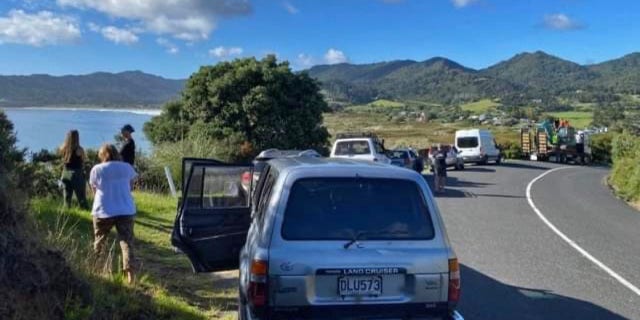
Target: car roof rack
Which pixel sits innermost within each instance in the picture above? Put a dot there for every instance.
(350, 135)
(277, 153)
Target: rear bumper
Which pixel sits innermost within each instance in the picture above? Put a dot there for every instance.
(372, 311)
(468, 159)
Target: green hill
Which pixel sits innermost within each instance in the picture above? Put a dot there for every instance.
(132, 88)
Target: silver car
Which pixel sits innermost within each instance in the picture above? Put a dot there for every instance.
(322, 239)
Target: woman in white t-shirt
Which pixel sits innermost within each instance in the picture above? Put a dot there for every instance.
(112, 181)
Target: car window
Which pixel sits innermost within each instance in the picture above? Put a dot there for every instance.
(352, 148)
(468, 142)
(219, 187)
(265, 196)
(341, 208)
(379, 148)
(399, 154)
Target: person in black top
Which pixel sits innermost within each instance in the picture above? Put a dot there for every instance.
(73, 177)
(128, 148)
(440, 168)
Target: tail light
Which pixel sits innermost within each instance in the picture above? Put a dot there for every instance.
(258, 286)
(481, 151)
(454, 283)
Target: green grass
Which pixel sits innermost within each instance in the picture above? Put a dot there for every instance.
(383, 103)
(166, 287)
(578, 119)
(410, 133)
(481, 106)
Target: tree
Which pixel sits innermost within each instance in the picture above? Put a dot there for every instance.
(261, 102)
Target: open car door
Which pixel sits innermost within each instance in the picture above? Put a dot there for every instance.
(214, 215)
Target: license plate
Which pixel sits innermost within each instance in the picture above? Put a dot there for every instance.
(359, 286)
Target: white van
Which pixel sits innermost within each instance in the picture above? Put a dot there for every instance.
(477, 145)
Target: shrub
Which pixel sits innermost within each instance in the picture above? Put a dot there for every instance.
(511, 150)
(601, 148)
(625, 175)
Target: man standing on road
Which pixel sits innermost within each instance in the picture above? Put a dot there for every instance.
(128, 148)
(580, 146)
(440, 168)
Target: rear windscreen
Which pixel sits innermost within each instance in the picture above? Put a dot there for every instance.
(366, 208)
(352, 147)
(467, 142)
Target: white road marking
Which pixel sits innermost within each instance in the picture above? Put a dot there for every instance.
(572, 243)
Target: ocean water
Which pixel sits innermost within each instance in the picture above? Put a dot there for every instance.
(45, 128)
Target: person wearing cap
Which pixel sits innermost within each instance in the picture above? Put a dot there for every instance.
(128, 148)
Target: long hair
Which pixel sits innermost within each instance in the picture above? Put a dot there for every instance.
(70, 145)
(108, 152)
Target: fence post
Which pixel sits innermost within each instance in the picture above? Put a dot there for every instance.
(172, 186)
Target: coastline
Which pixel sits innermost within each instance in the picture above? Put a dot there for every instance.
(143, 111)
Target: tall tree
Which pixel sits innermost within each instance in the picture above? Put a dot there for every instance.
(261, 103)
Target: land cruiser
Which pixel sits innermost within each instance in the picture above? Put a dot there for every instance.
(360, 146)
(321, 239)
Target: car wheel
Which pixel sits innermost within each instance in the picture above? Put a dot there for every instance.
(499, 160)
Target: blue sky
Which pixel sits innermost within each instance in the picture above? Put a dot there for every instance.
(173, 38)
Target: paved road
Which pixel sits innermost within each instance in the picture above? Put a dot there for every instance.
(516, 267)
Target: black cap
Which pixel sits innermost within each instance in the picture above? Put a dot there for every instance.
(127, 127)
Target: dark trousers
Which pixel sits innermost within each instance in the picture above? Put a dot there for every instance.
(74, 182)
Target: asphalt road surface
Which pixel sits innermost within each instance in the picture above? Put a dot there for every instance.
(514, 266)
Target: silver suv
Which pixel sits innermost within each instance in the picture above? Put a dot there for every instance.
(321, 239)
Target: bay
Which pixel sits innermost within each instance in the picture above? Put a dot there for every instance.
(45, 128)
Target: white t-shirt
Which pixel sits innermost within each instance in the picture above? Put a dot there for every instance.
(112, 181)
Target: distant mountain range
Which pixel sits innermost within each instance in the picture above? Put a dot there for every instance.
(445, 81)
(435, 80)
(126, 89)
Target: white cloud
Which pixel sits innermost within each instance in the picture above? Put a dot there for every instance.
(334, 56)
(224, 52)
(290, 8)
(169, 46)
(560, 21)
(115, 34)
(37, 29)
(305, 61)
(462, 3)
(189, 20)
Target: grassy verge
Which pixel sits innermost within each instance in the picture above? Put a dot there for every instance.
(166, 287)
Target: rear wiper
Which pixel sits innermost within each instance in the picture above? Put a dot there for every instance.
(355, 239)
(358, 236)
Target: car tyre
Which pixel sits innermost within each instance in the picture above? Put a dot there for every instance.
(499, 160)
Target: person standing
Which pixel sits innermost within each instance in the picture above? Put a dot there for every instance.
(112, 182)
(73, 177)
(128, 148)
(440, 168)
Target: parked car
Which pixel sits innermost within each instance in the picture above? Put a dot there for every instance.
(360, 146)
(309, 243)
(453, 159)
(478, 145)
(406, 158)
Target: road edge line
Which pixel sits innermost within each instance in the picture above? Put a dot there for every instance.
(572, 243)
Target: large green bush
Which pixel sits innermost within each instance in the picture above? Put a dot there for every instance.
(625, 175)
(258, 104)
